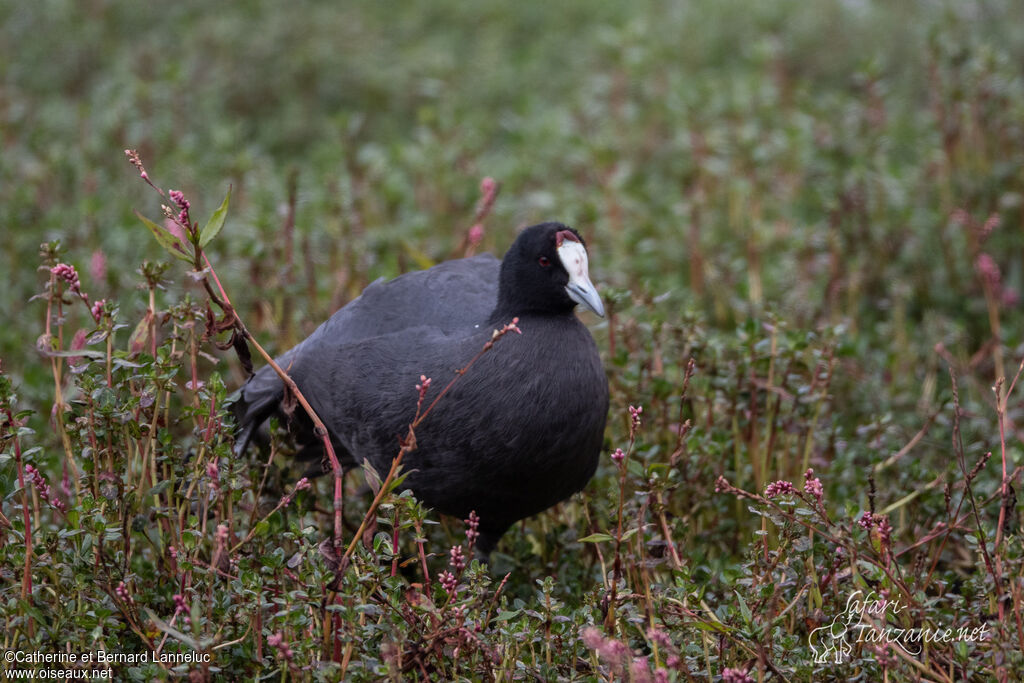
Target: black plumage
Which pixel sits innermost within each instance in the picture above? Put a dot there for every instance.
(516, 434)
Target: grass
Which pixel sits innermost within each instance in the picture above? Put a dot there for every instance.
(820, 206)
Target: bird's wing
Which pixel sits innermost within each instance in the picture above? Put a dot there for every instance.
(451, 297)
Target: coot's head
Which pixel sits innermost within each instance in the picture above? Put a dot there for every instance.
(546, 271)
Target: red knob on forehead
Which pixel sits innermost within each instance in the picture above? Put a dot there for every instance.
(565, 235)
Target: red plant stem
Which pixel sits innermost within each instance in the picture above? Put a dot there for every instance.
(1001, 402)
(617, 566)
(26, 579)
(224, 303)
(423, 554)
(394, 545)
(410, 442)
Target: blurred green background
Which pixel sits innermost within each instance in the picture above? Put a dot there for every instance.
(744, 156)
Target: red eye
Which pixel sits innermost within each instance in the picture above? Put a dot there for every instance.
(544, 261)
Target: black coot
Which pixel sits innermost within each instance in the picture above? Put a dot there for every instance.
(518, 433)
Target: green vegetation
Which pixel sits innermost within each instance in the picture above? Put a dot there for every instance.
(821, 204)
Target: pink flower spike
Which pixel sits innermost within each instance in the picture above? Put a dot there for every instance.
(618, 456)
(812, 485)
(778, 488)
(866, 521)
(634, 414)
(735, 676)
(178, 197)
(276, 641)
(98, 265)
(472, 526)
(488, 185)
(592, 637)
(457, 559)
(44, 489)
(448, 582)
(989, 270)
(69, 275)
(97, 310)
(122, 592)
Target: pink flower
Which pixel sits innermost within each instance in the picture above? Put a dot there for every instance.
(506, 328)
(866, 521)
(476, 234)
(448, 582)
(98, 265)
(178, 197)
(735, 676)
(778, 488)
(884, 529)
(181, 607)
(990, 224)
(300, 485)
(640, 671)
(213, 472)
(423, 386)
(989, 270)
(69, 275)
(97, 310)
(618, 456)
(134, 160)
(658, 637)
(615, 653)
(488, 186)
(44, 489)
(813, 485)
(122, 592)
(472, 526)
(457, 559)
(634, 414)
(276, 641)
(592, 637)
(77, 344)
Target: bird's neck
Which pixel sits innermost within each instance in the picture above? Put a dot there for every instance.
(503, 314)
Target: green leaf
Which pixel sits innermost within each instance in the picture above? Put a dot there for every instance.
(82, 353)
(159, 488)
(170, 630)
(422, 260)
(505, 615)
(596, 538)
(165, 238)
(216, 221)
(744, 609)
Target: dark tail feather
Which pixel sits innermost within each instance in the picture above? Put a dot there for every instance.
(254, 403)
